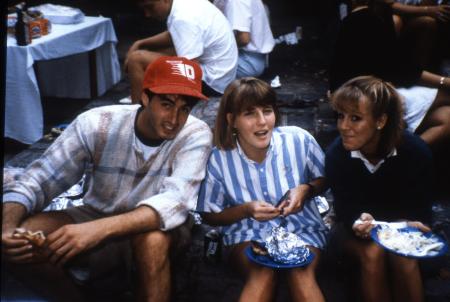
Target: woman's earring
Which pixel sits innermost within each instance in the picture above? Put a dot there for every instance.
(379, 127)
(234, 132)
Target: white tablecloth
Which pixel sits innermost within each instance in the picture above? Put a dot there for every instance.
(60, 77)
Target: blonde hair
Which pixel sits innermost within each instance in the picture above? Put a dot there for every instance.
(239, 96)
(383, 99)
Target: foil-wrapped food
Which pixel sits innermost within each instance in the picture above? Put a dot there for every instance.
(283, 246)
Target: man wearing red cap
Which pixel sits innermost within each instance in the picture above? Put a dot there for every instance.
(197, 30)
(144, 164)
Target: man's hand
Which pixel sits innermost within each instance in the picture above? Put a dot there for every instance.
(16, 250)
(362, 230)
(71, 240)
(262, 211)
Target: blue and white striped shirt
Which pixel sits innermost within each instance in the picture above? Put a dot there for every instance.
(293, 158)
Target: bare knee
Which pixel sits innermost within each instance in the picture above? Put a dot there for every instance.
(262, 275)
(404, 265)
(398, 23)
(372, 258)
(140, 59)
(302, 276)
(440, 117)
(306, 274)
(426, 24)
(153, 243)
(46, 222)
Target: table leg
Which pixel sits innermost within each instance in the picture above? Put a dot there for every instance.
(93, 73)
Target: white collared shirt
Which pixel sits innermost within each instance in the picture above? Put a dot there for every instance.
(200, 31)
(371, 167)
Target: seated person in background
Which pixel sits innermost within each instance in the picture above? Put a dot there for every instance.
(254, 38)
(377, 170)
(367, 45)
(252, 165)
(423, 25)
(197, 30)
(146, 161)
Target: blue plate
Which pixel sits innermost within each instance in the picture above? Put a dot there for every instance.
(269, 262)
(442, 251)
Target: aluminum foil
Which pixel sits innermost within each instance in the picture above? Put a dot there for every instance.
(286, 247)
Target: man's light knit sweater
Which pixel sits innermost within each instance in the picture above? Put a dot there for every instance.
(102, 142)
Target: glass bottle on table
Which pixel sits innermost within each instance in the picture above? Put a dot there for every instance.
(21, 29)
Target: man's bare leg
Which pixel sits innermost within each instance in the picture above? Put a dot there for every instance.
(44, 278)
(151, 255)
(137, 63)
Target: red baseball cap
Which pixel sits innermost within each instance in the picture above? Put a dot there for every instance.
(174, 75)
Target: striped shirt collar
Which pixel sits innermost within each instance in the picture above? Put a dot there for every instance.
(371, 167)
(271, 150)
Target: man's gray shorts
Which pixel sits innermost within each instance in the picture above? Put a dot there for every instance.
(112, 261)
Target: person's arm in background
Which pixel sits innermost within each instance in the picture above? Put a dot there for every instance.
(239, 15)
(242, 38)
(157, 42)
(434, 80)
(161, 40)
(439, 12)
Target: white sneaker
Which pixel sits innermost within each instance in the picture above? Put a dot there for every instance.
(126, 100)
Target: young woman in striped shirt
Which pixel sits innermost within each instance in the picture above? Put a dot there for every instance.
(253, 164)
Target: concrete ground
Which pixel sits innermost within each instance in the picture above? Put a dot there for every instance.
(302, 69)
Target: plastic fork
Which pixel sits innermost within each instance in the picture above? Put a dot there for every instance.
(393, 225)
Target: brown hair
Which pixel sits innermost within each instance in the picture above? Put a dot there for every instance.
(190, 100)
(383, 99)
(239, 96)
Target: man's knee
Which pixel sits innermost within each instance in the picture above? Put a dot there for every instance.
(154, 242)
(141, 58)
(47, 222)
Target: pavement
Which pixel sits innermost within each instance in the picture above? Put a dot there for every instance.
(302, 69)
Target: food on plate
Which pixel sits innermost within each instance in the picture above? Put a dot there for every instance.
(259, 249)
(412, 243)
(286, 247)
(35, 238)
